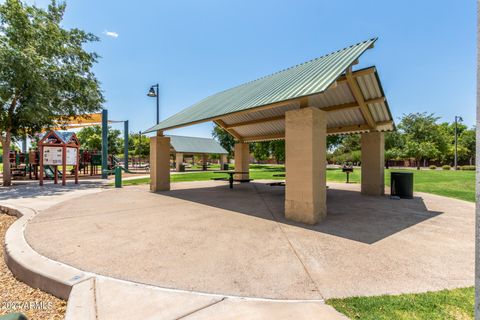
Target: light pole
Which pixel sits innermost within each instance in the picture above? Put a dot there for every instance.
(457, 118)
(155, 94)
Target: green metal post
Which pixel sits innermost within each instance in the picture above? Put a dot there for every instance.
(24, 144)
(125, 139)
(118, 177)
(104, 144)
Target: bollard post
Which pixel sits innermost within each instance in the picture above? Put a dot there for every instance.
(118, 177)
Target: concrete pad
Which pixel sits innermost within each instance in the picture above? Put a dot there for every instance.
(205, 237)
(257, 310)
(153, 237)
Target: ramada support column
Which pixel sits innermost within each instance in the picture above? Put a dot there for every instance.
(242, 158)
(204, 161)
(223, 160)
(178, 160)
(373, 162)
(159, 162)
(305, 150)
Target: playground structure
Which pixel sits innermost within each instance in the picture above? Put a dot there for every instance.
(91, 163)
(59, 148)
(27, 165)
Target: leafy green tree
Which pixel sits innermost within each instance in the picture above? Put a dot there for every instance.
(349, 143)
(45, 72)
(139, 145)
(261, 150)
(334, 141)
(424, 138)
(420, 150)
(278, 150)
(394, 140)
(91, 138)
(467, 141)
(392, 154)
(224, 138)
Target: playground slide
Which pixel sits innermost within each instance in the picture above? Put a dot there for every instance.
(50, 173)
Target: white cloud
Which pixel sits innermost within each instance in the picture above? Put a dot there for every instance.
(111, 34)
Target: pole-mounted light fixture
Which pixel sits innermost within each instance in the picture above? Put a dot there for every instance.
(455, 161)
(151, 92)
(154, 94)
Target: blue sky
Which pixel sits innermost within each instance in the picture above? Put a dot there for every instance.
(425, 54)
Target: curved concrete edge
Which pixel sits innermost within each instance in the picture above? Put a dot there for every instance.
(25, 260)
(92, 296)
(29, 266)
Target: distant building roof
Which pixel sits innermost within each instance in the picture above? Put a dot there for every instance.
(195, 145)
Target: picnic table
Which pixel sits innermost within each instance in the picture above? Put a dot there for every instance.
(279, 184)
(230, 178)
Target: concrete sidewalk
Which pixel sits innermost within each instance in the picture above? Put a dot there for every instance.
(106, 298)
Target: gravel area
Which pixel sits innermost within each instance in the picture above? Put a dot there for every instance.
(16, 296)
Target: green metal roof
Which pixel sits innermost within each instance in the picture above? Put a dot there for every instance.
(312, 77)
(195, 145)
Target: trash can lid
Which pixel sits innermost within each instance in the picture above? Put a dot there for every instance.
(401, 172)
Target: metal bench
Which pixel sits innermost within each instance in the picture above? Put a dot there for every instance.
(276, 184)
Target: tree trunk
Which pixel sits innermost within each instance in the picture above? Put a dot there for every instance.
(7, 177)
(418, 164)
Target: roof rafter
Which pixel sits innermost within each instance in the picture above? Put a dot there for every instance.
(357, 93)
(231, 131)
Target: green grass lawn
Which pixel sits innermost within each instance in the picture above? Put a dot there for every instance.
(442, 305)
(455, 184)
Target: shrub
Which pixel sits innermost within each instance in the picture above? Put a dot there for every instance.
(433, 167)
(470, 168)
(446, 167)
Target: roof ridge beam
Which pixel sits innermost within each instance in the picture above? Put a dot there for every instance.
(358, 73)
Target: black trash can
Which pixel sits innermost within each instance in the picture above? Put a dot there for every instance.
(225, 166)
(401, 184)
(181, 168)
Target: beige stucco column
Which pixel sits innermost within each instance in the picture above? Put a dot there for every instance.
(159, 162)
(223, 160)
(204, 161)
(242, 157)
(305, 151)
(373, 163)
(178, 160)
